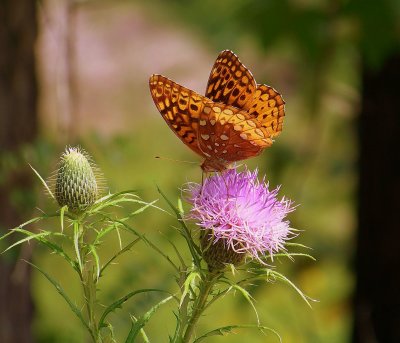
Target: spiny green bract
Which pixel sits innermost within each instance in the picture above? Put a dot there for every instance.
(76, 184)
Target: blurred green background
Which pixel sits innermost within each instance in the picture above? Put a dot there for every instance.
(94, 61)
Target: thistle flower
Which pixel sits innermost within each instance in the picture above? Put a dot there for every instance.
(76, 185)
(239, 216)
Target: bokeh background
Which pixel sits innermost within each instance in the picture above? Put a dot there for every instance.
(76, 72)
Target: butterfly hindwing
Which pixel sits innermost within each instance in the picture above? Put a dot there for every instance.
(227, 135)
(230, 82)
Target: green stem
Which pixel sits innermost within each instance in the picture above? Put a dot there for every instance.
(88, 280)
(89, 288)
(200, 304)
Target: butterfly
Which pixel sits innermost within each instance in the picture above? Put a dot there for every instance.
(235, 120)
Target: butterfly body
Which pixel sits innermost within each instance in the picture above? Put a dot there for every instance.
(236, 120)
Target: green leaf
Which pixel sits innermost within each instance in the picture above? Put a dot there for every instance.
(62, 211)
(141, 322)
(143, 208)
(225, 330)
(9, 233)
(96, 258)
(118, 198)
(31, 235)
(188, 283)
(180, 206)
(44, 182)
(149, 243)
(125, 249)
(194, 249)
(290, 255)
(297, 245)
(53, 246)
(249, 299)
(60, 290)
(120, 301)
(283, 278)
(181, 260)
(33, 220)
(76, 245)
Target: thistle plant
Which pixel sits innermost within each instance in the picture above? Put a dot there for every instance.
(86, 219)
(242, 227)
(235, 229)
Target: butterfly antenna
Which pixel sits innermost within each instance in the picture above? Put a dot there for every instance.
(174, 160)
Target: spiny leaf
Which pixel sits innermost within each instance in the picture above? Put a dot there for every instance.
(43, 182)
(188, 283)
(96, 258)
(283, 278)
(126, 248)
(36, 236)
(298, 245)
(249, 299)
(222, 331)
(136, 327)
(62, 210)
(130, 229)
(61, 291)
(120, 301)
(194, 249)
(291, 254)
(76, 245)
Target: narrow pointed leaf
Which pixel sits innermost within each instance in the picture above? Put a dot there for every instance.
(125, 249)
(121, 301)
(225, 330)
(137, 326)
(76, 245)
(61, 291)
(44, 182)
(36, 236)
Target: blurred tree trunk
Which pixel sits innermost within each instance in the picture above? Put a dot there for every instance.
(18, 127)
(377, 297)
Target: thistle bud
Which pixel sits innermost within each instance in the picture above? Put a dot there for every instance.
(76, 184)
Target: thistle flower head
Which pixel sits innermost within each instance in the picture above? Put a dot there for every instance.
(240, 214)
(76, 185)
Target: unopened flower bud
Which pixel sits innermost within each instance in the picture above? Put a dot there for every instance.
(76, 184)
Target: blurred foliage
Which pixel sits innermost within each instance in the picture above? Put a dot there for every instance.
(311, 51)
(312, 26)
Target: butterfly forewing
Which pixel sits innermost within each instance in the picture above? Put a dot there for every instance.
(180, 108)
(268, 107)
(230, 82)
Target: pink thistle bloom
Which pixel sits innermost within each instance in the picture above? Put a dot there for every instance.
(242, 212)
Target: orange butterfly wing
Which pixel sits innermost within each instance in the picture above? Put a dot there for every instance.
(227, 135)
(230, 82)
(268, 107)
(235, 121)
(180, 107)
